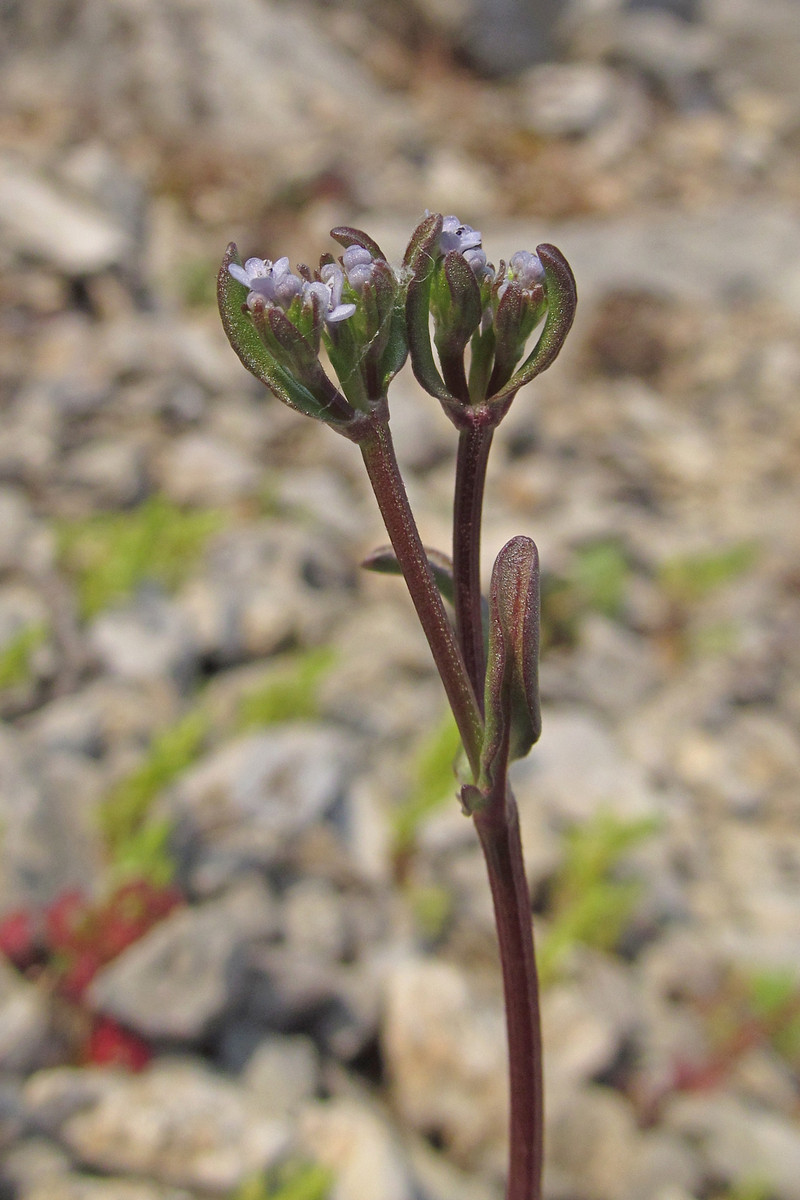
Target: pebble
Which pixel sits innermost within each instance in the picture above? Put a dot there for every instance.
(352, 1141)
(187, 974)
(252, 801)
(282, 1073)
(443, 1048)
(739, 1140)
(577, 770)
(198, 469)
(43, 222)
(148, 638)
(177, 1123)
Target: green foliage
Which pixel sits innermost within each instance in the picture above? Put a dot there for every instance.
(16, 655)
(293, 1181)
(110, 554)
(598, 575)
(774, 999)
(688, 578)
(197, 282)
(594, 582)
(290, 691)
(590, 905)
(433, 780)
(432, 906)
(753, 1188)
(137, 844)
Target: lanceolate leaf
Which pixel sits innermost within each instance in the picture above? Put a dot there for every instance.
(253, 354)
(383, 561)
(562, 298)
(513, 716)
(420, 260)
(346, 236)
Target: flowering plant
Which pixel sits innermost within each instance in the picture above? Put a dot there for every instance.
(370, 317)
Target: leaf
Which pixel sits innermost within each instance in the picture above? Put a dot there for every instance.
(347, 236)
(253, 354)
(383, 561)
(420, 260)
(562, 299)
(513, 715)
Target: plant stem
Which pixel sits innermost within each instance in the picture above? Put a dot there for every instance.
(474, 444)
(498, 830)
(387, 484)
(497, 825)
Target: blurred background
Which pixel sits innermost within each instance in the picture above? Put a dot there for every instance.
(247, 941)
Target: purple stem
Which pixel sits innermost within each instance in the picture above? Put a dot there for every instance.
(498, 831)
(474, 444)
(387, 484)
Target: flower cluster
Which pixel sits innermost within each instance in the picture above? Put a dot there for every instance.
(275, 284)
(369, 318)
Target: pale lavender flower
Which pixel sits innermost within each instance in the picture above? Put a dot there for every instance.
(272, 281)
(254, 268)
(358, 264)
(480, 267)
(329, 292)
(455, 236)
(526, 269)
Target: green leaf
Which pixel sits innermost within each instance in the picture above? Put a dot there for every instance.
(16, 655)
(562, 299)
(420, 260)
(513, 715)
(244, 337)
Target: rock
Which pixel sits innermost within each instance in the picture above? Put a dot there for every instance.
(675, 54)
(588, 1022)
(502, 36)
(615, 669)
(684, 254)
(112, 472)
(444, 1048)
(187, 972)
(737, 1140)
(254, 798)
(202, 470)
(24, 541)
(108, 717)
(282, 1073)
(50, 838)
(666, 1168)
(32, 1164)
(590, 1144)
(41, 220)
(577, 770)
(86, 1187)
(357, 1146)
(12, 1121)
(290, 991)
(267, 586)
(28, 1040)
(219, 71)
(570, 99)
(148, 638)
(315, 921)
(176, 1123)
